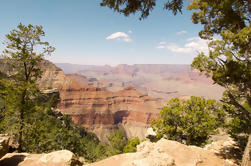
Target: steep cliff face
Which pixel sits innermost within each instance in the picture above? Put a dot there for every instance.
(100, 110)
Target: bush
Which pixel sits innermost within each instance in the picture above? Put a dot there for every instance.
(117, 141)
(132, 145)
(191, 121)
(48, 130)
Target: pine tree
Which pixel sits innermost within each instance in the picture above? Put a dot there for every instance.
(23, 53)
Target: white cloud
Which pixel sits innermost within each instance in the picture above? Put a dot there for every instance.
(192, 46)
(177, 49)
(119, 36)
(181, 32)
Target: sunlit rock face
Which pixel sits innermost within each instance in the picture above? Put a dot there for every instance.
(100, 110)
(56, 158)
(166, 153)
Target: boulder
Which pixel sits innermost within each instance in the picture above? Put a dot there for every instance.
(57, 158)
(165, 153)
(4, 145)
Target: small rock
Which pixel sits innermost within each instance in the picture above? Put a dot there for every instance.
(4, 145)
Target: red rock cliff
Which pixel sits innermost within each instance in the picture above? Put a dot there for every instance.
(100, 110)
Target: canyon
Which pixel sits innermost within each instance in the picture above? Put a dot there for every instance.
(126, 97)
(98, 109)
(157, 80)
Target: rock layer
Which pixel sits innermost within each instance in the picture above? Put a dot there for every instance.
(100, 110)
(157, 80)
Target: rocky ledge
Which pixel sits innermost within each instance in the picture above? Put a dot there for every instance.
(165, 153)
(57, 158)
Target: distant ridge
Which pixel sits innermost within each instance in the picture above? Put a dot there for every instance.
(157, 80)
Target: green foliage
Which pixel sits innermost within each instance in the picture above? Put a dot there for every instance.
(219, 15)
(144, 7)
(229, 60)
(2, 92)
(27, 114)
(191, 120)
(238, 125)
(216, 15)
(130, 7)
(24, 50)
(117, 141)
(47, 130)
(131, 145)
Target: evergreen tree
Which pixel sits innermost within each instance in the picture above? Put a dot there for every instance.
(229, 59)
(29, 115)
(117, 141)
(192, 120)
(24, 50)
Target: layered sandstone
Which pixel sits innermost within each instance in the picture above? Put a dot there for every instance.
(100, 110)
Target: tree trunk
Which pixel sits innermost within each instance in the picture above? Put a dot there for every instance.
(188, 141)
(21, 122)
(246, 159)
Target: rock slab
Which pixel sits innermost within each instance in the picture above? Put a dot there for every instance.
(57, 158)
(165, 153)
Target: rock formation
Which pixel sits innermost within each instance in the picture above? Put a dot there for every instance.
(157, 80)
(100, 110)
(57, 158)
(165, 153)
(97, 109)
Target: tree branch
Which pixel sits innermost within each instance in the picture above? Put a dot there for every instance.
(232, 101)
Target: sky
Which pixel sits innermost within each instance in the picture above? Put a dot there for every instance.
(83, 32)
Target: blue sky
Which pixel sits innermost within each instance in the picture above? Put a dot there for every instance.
(85, 33)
